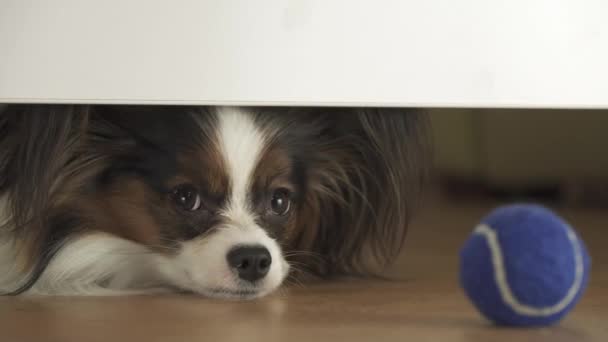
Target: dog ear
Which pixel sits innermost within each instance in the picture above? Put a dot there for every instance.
(146, 140)
(366, 181)
(159, 127)
(36, 144)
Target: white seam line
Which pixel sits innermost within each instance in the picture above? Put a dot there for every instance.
(500, 275)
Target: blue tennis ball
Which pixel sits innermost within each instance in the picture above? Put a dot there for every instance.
(524, 266)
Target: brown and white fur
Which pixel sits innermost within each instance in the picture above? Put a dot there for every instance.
(114, 200)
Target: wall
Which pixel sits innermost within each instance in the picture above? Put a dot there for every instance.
(522, 147)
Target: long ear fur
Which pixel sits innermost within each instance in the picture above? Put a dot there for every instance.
(37, 144)
(366, 183)
(368, 166)
(38, 164)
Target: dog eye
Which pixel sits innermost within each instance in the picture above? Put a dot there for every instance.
(280, 202)
(186, 197)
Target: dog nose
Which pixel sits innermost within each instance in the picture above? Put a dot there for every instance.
(251, 262)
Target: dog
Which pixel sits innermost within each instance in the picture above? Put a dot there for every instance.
(217, 201)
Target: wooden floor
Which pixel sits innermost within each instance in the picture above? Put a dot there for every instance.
(426, 304)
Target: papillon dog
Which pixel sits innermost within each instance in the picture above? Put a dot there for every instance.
(217, 201)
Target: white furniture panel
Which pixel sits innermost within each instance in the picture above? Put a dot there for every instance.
(433, 53)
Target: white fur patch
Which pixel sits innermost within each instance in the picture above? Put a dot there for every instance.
(203, 260)
(241, 144)
(93, 264)
(202, 267)
(100, 264)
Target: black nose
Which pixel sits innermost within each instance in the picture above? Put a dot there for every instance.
(251, 262)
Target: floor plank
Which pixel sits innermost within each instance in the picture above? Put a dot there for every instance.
(423, 304)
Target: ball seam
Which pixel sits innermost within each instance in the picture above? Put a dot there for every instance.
(501, 279)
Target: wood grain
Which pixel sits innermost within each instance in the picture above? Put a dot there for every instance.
(424, 303)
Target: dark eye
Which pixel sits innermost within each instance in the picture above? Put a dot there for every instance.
(280, 202)
(186, 197)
